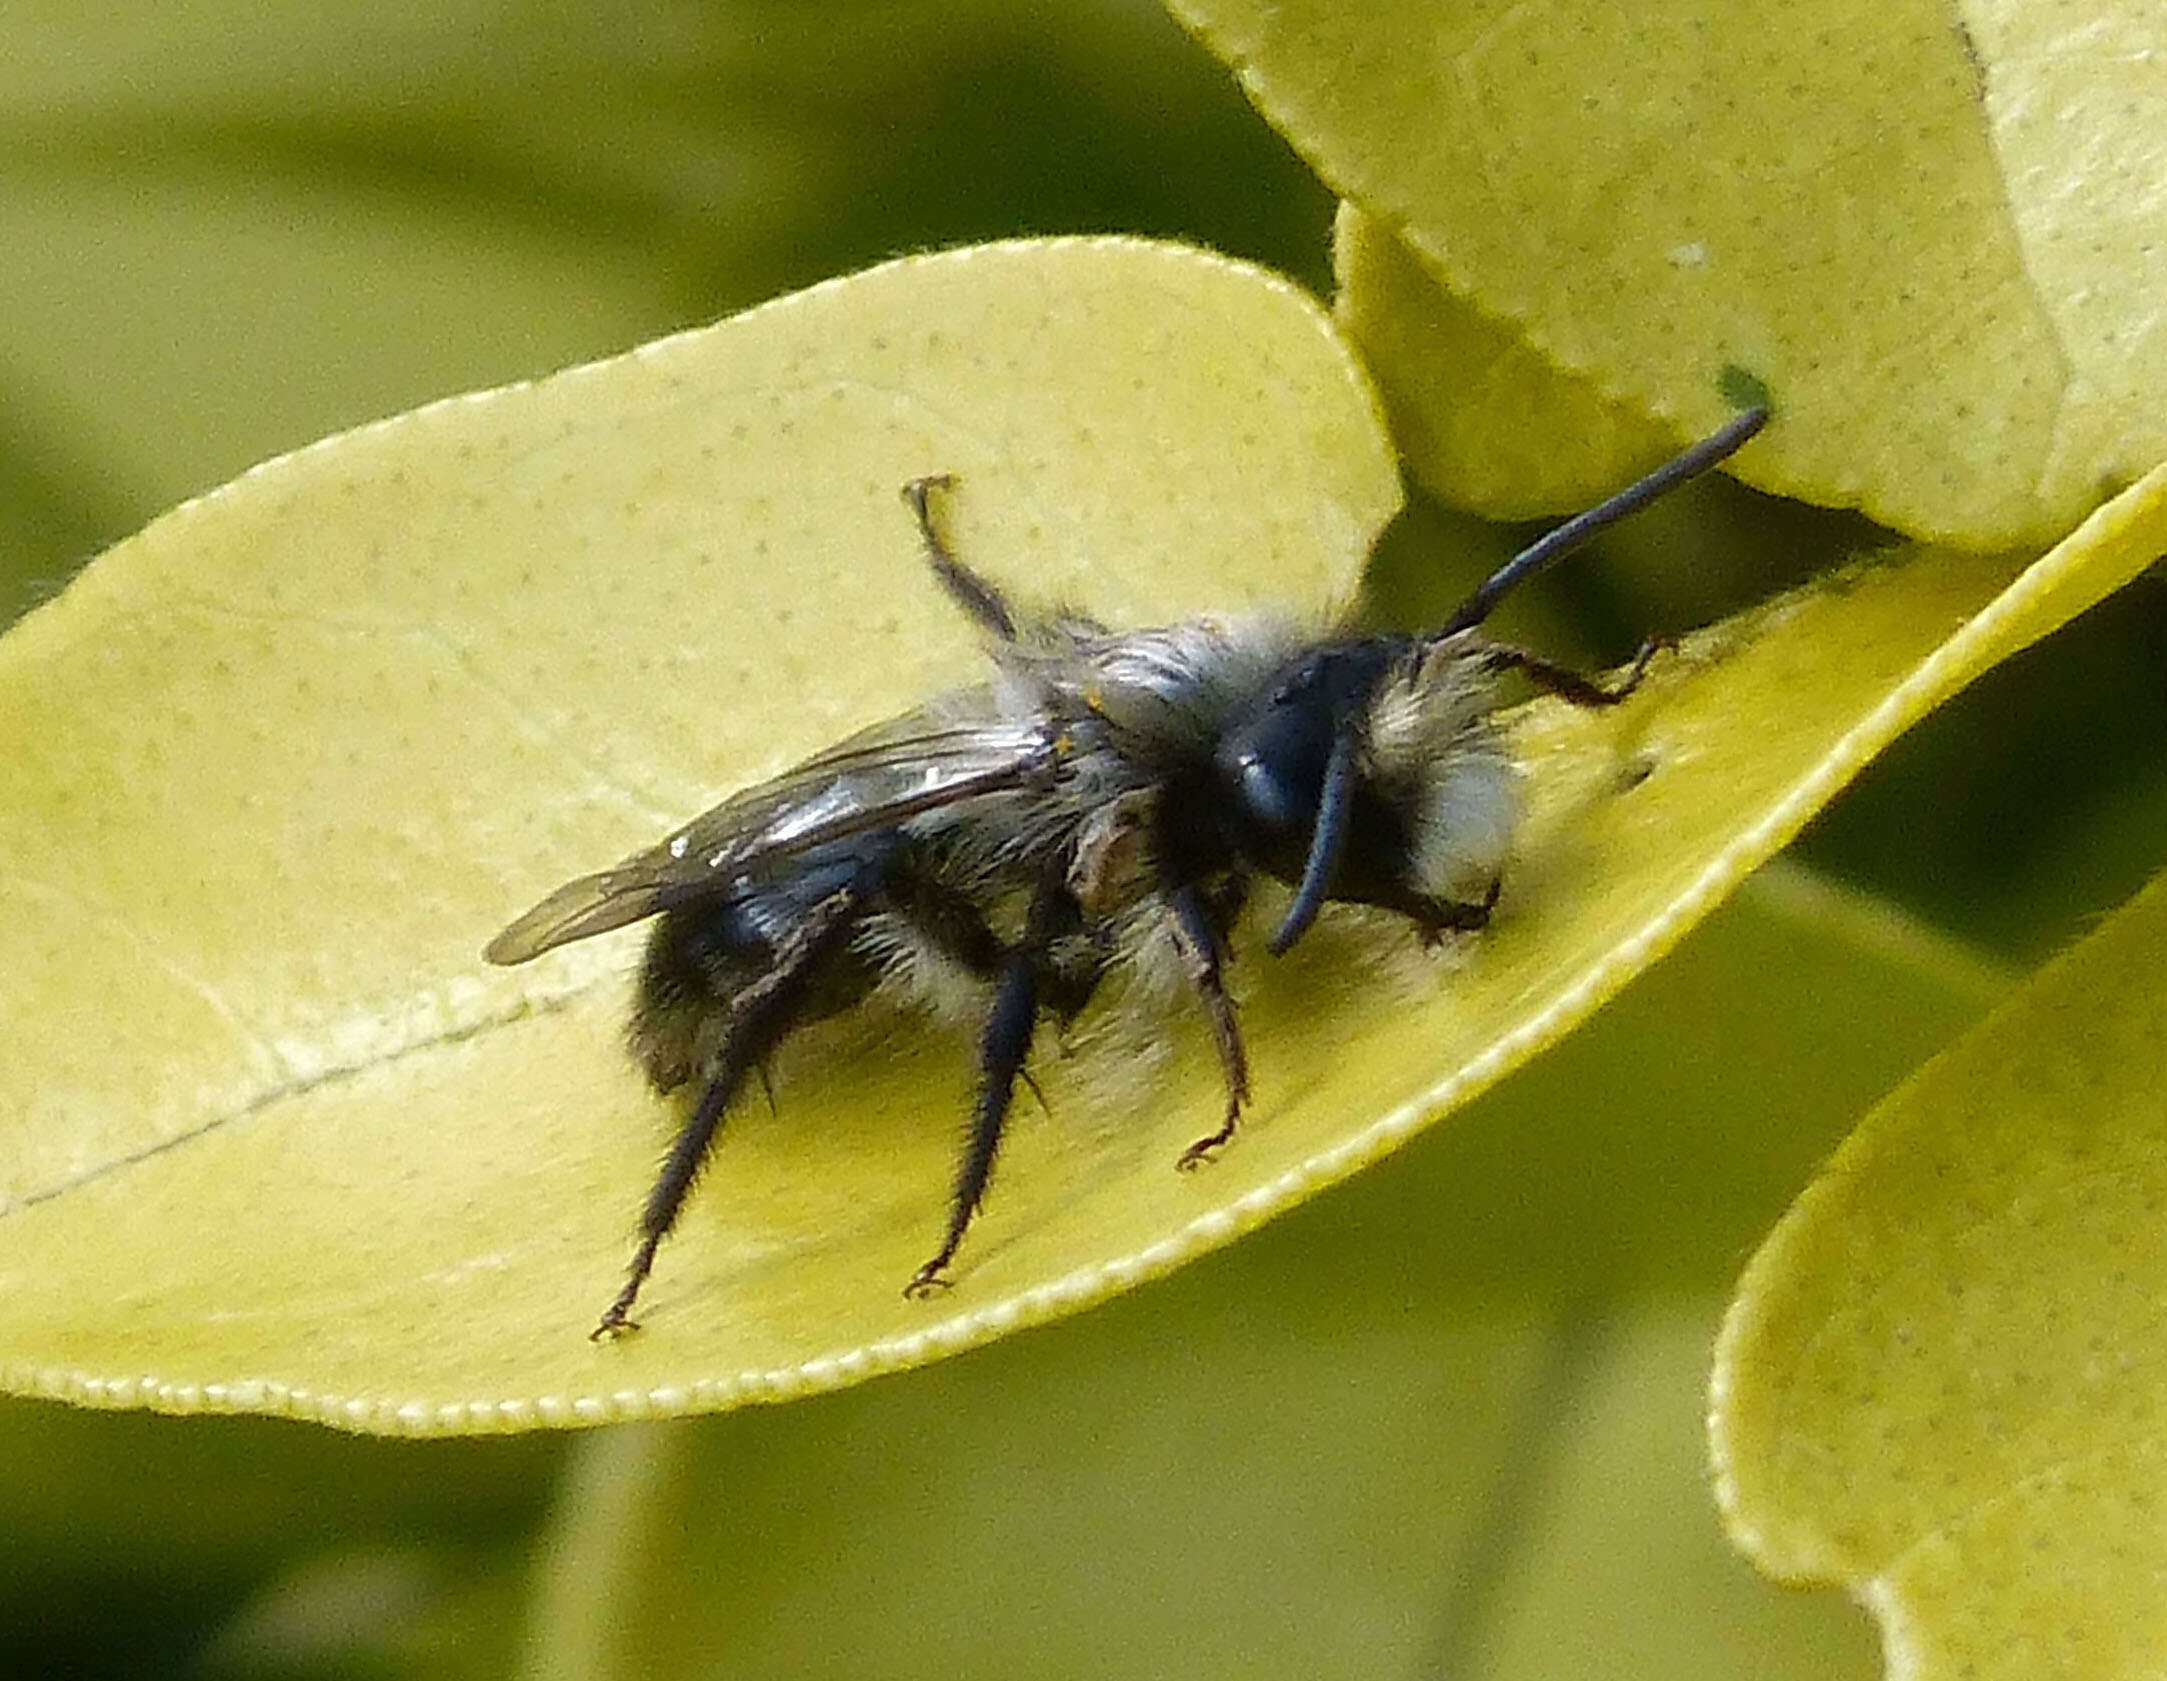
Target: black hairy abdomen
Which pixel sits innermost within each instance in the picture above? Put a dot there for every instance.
(703, 955)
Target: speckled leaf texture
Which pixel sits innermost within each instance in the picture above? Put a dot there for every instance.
(1448, 1421)
(1940, 1382)
(1485, 421)
(1932, 232)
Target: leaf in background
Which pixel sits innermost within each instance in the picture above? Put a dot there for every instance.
(224, 230)
(1484, 420)
(280, 762)
(130, 1537)
(1932, 239)
(1940, 1383)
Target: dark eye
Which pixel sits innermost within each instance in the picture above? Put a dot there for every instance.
(1271, 762)
(1273, 767)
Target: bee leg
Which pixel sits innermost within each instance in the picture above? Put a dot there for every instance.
(1000, 1060)
(759, 1017)
(971, 592)
(1027, 970)
(1201, 941)
(1462, 917)
(953, 925)
(1570, 685)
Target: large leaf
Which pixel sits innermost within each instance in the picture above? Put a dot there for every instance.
(277, 766)
(1927, 234)
(1484, 420)
(1940, 1382)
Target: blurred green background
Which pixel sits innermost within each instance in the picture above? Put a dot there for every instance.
(228, 229)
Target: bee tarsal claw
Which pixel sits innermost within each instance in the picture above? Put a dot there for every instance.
(1205, 1150)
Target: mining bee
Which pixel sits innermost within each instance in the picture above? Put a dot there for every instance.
(1107, 799)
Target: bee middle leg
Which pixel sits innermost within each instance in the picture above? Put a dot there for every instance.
(760, 1016)
(1028, 981)
(1001, 1050)
(1200, 936)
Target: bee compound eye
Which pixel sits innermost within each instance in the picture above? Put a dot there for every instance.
(1267, 798)
(1273, 764)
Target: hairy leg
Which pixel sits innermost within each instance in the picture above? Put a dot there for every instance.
(984, 603)
(760, 1016)
(1017, 998)
(1568, 684)
(1200, 936)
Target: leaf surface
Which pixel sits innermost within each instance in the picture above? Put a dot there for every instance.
(276, 769)
(1485, 420)
(1931, 236)
(1940, 1382)
(1446, 1420)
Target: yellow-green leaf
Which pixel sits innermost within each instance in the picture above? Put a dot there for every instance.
(275, 1139)
(1940, 1382)
(1484, 421)
(1932, 238)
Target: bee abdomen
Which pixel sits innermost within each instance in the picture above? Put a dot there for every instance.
(702, 957)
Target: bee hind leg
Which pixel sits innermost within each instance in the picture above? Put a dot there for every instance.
(687, 1154)
(761, 1015)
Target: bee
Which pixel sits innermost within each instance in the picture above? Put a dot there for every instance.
(1104, 793)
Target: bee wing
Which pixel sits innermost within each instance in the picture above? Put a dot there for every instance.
(884, 776)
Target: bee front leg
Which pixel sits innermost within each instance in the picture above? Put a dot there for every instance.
(1568, 684)
(1464, 917)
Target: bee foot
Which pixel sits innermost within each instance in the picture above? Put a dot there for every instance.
(1204, 1150)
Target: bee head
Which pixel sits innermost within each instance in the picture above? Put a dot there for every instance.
(1370, 773)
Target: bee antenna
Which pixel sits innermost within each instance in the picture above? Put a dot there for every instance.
(1553, 546)
(1327, 839)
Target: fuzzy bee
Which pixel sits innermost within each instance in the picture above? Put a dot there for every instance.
(1105, 792)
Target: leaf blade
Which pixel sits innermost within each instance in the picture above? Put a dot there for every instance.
(399, 1239)
(1918, 237)
(1937, 1380)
